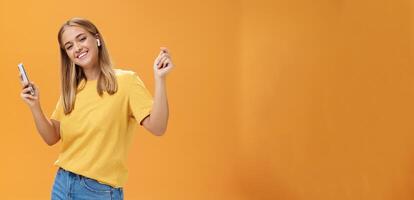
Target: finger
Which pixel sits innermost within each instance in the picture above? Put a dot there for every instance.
(168, 63)
(26, 87)
(33, 84)
(162, 62)
(163, 57)
(33, 97)
(35, 90)
(29, 88)
(26, 90)
(25, 84)
(165, 53)
(28, 96)
(164, 49)
(160, 57)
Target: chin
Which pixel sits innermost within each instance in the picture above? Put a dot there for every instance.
(85, 64)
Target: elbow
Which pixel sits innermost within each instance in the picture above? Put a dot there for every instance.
(51, 143)
(158, 132)
(155, 127)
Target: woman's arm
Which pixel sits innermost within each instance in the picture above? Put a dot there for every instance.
(48, 129)
(157, 121)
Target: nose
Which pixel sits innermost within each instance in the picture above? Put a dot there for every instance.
(77, 47)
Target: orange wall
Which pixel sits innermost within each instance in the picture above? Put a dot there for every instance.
(327, 100)
(269, 100)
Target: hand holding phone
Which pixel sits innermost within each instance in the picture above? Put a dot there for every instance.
(25, 78)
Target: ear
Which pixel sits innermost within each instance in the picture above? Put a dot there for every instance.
(98, 41)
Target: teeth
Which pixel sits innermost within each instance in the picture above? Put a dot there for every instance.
(81, 55)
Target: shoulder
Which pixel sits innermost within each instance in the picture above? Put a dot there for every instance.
(127, 76)
(122, 73)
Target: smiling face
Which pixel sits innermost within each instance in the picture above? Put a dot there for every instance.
(80, 46)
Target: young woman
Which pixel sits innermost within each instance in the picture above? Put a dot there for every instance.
(96, 114)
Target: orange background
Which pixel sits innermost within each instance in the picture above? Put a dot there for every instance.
(282, 99)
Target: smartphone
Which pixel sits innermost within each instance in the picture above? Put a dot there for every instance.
(25, 78)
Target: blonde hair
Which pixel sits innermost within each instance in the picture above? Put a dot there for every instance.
(72, 74)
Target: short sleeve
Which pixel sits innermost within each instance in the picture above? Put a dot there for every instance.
(139, 99)
(58, 112)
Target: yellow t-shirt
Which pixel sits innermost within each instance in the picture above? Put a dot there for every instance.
(97, 134)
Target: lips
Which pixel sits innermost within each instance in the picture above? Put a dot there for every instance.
(82, 55)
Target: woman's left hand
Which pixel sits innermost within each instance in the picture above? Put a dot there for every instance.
(163, 64)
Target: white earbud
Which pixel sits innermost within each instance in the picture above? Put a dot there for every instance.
(99, 42)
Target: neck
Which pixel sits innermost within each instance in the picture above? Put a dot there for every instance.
(91, 73)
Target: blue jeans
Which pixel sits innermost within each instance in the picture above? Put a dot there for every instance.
(71, 186)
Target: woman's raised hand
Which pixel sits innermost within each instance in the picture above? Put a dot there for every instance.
(163, 63)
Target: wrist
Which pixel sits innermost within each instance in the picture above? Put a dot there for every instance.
(159, 79)
(36, 108)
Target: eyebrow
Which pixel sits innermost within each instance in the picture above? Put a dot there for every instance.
(80, 34)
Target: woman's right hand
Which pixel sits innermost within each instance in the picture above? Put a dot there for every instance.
(31, 100)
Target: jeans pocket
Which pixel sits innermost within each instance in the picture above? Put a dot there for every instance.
(94, 185)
